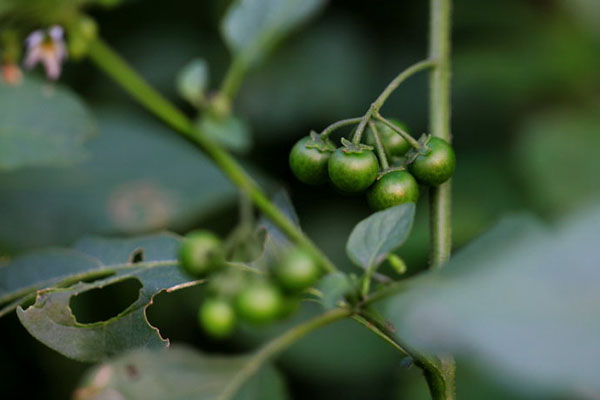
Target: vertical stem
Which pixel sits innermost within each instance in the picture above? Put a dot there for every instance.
(439, 114)
(440, 197)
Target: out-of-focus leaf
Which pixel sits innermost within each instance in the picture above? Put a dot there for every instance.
(139, 177)
(51, 321)
(557, 158)
(521, 300)
(177, 373)
(333, 287)
(42, 124)
(373, 238)
(230, 132)
(192, 81)
(252, 27)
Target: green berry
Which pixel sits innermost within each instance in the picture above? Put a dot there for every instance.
(296, 271)
(259, 303)
(392, 189)
(200, 253)
(217, 318)
(437, 166)
(309, 165)
(353, 171)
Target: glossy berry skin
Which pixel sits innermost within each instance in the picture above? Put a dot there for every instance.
(217, 318)
(296, 271)
(309, 165)
(353, 172)
(437, 166)
(200, 253)
(394, 144)
(259, 303)
(392, 189)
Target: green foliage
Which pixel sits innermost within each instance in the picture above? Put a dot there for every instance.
(333, 287)
(382, 232)
(151, 260)
(42, 124)
(178, 372)
(192, 81)
(229, 131)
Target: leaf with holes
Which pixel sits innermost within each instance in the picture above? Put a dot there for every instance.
(181, 373)
(252, 28)
(41, 125)
(151, 260)
(373, 238)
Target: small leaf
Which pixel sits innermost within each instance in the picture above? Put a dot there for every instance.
(177, 373)
(230, 131)
(192, 81)
(373, 238)
(333, 287)
(252, 28)
(50, 319)
(42, 124)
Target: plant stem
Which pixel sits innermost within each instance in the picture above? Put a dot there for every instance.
(115, 67)
(233, 78)
(339, 124)
(279, 344)
(389, 89)
(413, 142)
(439, 114)
(440, 197)
(380, 149)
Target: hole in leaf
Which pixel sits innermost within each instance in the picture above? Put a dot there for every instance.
(104, 303)
(137, 256)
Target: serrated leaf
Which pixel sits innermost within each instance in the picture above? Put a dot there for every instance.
(522, 301)
(192, 81)
(252, 27)
(177, 373)
(139, 177)
(230, 132)
(333, 287)
(51, 321)
(373, 238)
(42, 124)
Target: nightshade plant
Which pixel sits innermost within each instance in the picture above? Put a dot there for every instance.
(261, 270)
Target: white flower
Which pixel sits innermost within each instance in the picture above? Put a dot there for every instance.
(47, 48)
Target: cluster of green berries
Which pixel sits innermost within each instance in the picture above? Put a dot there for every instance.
(355, 168)
(256, 298)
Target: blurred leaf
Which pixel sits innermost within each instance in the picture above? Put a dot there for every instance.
(192, 81)
(521, 301)
(42, 124)
(140, 177)
(252, 27)
(557, 158)
(180, 373)
(333, 287)
(230, 132)
(51, 321)
(373, 238)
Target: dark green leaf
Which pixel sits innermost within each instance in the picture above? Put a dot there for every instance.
(252, 27)
(177, 373)
(42, 124)
(373, 238)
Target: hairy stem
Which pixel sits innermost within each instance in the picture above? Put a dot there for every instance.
(279, 344)
(380, 149)
(414, 143)
(115, 67)
(441, 387)
(339, 124)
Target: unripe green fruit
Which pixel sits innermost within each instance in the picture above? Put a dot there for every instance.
(296, 271)
(437, 166)
(309, 165)
(395, 145)
(217, 318)
(259, 303)
(392, 189)
(353, 172)
(200, 253)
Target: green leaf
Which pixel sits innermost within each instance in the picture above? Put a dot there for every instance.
(333, 287)
(230, 131)
(373, 238)
(140, 177)
(522, 301)
(42, 124)
(252, 28)
(192, 81)
(50, 319)
(177, 373)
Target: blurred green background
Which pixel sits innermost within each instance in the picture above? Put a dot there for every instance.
(526, 126)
